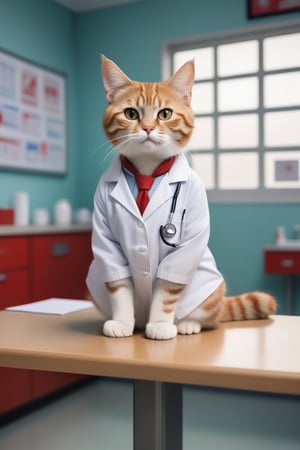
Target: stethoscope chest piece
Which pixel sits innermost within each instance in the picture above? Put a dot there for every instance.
(169, 230)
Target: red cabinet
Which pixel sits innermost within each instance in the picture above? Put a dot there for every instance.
(59, 264)
(14, 252)
(35, 267)
(14, 290)
(282, 261)
(14, 271)
(14, 388)
(43, 383)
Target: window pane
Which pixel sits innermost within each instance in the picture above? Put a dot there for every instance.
(204, 61)
(246, 101)
(238, 58)
(281, 52)
(282, 89)
(203, 164)
(203, 135)
(238, 171)
(241, 93)
(282, 128)
(238, 131)
(282, 170)
(203, 98)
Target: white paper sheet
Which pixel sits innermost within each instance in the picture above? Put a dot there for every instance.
(58, 306)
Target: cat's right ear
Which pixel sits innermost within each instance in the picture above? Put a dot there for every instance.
(113, 78)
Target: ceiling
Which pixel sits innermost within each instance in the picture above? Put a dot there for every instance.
(88, 5)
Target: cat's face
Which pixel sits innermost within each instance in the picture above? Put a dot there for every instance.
(150, 121)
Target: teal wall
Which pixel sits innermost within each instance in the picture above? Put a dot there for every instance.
(132, 35)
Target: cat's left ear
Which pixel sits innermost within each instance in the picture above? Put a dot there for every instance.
(183, 80)
(113, 78)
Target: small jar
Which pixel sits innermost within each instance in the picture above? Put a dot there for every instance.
(41, 217)
(62, 212)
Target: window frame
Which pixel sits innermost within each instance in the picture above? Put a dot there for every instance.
(262, 194)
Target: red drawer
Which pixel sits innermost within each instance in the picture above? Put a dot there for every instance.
(14, 252)
(282, 262)
(59, 265)
(14, 288)
(14, 388)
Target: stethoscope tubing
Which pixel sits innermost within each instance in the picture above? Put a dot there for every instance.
(169, 230)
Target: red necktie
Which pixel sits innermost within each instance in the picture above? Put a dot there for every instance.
(144, 182)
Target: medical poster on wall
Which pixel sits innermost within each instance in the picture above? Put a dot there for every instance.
(32, 117)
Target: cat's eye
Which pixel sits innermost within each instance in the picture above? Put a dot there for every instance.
(131, 114)
(165, 114)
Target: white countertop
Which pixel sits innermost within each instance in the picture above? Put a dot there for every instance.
(288, 246)
(14, 230)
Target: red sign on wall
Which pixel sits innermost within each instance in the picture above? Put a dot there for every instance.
(260, 8)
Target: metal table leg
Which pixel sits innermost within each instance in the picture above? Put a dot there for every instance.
(157, 415)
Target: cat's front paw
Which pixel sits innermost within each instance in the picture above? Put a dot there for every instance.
(114, 328)
(188, 326)
(161, 330)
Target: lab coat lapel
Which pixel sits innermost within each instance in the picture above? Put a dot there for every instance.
(121, 193)
(161, 194)
(178, 173)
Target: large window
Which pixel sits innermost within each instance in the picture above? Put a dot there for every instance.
(246, 99)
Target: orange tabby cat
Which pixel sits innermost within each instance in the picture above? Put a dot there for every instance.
(152, 266)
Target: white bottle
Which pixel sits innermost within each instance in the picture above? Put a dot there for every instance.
(280, 236)
(62, 212)
(21, 207)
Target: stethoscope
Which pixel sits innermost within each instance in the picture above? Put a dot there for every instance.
(169, 230)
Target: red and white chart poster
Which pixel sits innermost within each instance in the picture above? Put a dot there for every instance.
(32, 117)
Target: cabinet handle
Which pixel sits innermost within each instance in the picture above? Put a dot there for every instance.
(287, 263)
(60, 249)
(3, 277)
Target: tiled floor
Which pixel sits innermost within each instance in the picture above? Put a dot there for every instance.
(93, 417)
(99, 417)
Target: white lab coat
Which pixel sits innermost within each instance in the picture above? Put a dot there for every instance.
(126, 244)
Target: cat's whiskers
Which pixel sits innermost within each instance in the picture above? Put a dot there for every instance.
(123, 146)
(109, 151)
(99, 147)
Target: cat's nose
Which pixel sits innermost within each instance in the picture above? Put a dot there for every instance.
(148, 129)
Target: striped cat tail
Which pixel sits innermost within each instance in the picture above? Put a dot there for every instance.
(249, 306)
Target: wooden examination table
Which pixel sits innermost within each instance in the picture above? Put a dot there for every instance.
(255, 355)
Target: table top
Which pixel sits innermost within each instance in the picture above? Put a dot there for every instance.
(262, 355)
